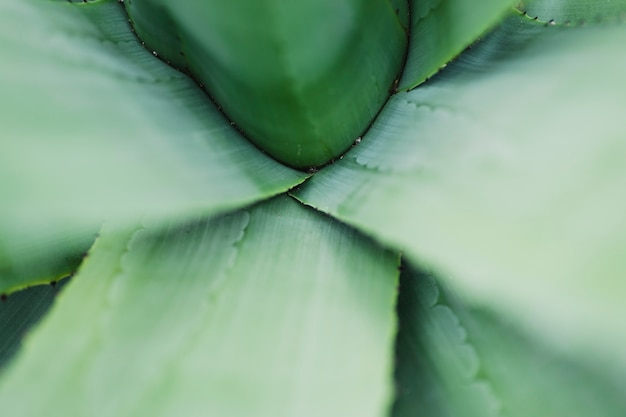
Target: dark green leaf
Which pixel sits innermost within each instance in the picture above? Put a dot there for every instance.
(19, 312)
(575, 12)
(441, 29)
(303, 79)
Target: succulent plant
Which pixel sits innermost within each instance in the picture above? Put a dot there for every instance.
(312, 208)
(302, 79)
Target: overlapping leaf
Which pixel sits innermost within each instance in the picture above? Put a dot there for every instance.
(19, 312)
(261, 312)
(302, 79)
(506, 172)
(94, 127)
(457, 361)
(441, 29)
(575, 12)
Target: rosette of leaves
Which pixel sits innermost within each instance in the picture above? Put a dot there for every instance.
(457, 250)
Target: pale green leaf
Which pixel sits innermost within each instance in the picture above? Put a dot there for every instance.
(261, 312)
(506, 172)
(94, 127)
(442, 29)
(457, 361)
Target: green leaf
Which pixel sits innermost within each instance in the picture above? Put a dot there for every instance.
(442, 29)
(94, 127)
(19, 312)
(575, 12)
(40, 259)
(261, 312)
(302, 79)
(505, 173)
(457, 361)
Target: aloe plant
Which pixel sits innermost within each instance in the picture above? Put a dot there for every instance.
(464, 257)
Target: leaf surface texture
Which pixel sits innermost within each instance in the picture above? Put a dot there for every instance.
(94, 127)
(505, 173)
(454, 360)
(442, 29)
(260, 312)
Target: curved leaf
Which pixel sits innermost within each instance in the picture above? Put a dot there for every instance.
(41, 259)
(442, 29)
(261, 312)
(505, 172)
(457, 361)
(94, 127)
(575, 12)
(302, 79)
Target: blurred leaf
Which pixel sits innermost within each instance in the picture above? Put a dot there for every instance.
(19, 312)
(32, 262)
(261, 312)
(506, 173)
(442, 29)
(94, 127)
(457, 361)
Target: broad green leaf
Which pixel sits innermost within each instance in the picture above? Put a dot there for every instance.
(505, 173)
(303, 79)
(94, 127)
(442, 29)
(575, 12)
(457, 361)
(19, 312)
(272, 311)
